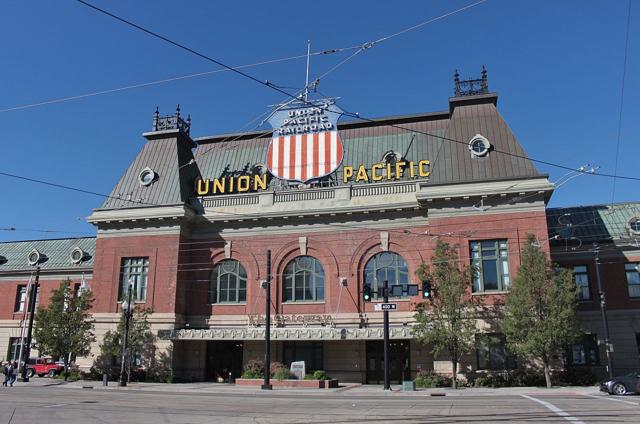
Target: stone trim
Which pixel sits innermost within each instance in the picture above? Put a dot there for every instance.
(304, 333)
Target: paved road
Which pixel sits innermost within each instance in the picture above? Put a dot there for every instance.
(29, 404)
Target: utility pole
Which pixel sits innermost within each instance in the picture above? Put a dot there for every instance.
(603, 311)
(127, 311)
(267, 331)
(33, 296)
(385, 295)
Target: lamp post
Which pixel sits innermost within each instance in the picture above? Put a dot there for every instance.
(603, 310)
(26, 347)
(127, 311)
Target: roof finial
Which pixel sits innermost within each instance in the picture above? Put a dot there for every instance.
(156, 116)
(178, 110)
(456, 76)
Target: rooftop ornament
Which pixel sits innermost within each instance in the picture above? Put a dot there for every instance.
(471, 87)
(171, 122)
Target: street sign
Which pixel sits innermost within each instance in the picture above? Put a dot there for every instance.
(385, 306)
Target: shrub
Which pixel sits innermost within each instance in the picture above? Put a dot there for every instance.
(275, 367)
(576, 377)
(320, 375)
(253, 369)
(431, 379)
(512, 378)
(282, 373)
(309, 377)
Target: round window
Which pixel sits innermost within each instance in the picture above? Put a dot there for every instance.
(634, 225)
(147, 176)
(479, 145)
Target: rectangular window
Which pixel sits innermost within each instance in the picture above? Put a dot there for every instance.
(490, 261)
(21, 298)
(134, 271)
(309, 352)
(14, 349)
(633, 279)
(585, 352)
(581, 277)
(493, 353)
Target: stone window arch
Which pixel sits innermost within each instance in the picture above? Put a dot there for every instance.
(303, 280)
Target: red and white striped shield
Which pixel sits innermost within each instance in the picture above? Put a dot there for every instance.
(304, 157)
(305, 144)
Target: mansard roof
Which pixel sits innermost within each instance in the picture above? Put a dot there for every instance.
(594, 223)
(57, 254)
(440, 137)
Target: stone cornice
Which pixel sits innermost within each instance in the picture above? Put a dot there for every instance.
(430, 193)
(156, 213)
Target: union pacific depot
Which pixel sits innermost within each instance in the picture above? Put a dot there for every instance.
(342, 207)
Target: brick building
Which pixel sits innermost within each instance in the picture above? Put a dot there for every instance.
(190, 222)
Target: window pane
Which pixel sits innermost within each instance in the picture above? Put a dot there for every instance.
(134, 271)
(488, 245)
(229, 281)
(490, 275)
(490, 262)
(386, 266)
(303, 280)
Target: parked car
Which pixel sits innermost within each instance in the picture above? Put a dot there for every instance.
(42, 367)
(622, 385)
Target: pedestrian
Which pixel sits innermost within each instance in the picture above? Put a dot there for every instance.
(14, 373)
(6, 370)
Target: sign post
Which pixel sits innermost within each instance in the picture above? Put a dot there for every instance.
(385, 294)
(267, 331)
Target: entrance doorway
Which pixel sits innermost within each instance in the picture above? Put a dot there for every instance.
(223, 357)
(399, 366)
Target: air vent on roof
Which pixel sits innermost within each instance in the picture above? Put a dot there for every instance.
(78, 255)
(2, 259)
(35, 257)
(634, 225)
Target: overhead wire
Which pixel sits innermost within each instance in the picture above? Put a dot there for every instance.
(147, 84)
(185, 48)
(621, 108)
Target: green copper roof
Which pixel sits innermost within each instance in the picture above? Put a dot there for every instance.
(13, 255)
(593, 223)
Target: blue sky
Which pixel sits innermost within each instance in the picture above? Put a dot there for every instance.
(557, 67)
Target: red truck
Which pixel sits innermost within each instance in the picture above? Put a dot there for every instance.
(42, 367)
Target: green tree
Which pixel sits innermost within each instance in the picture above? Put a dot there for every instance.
(65, 326)
(140, 344)
(540, 311)
(447, 322)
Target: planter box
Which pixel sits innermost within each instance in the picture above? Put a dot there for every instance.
(409, 386)
(309, 384)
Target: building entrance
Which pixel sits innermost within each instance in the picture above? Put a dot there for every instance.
(224, 357)
(398, 361)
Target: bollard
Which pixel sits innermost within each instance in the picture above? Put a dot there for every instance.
(105, 380)
(229, 378)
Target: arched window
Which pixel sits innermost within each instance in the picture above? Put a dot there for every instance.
(387, 266)
(303, 280)
(228, 283)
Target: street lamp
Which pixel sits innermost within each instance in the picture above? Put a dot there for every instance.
(127, 311)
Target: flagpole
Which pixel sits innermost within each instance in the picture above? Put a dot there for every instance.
(306, 84)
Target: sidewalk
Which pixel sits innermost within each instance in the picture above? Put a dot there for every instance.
(345, 389)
